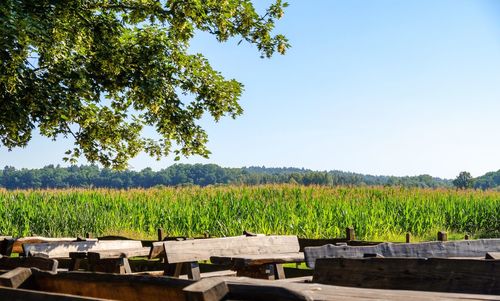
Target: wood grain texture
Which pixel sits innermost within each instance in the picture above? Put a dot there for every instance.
(209, 289)
(433, 274)
(119, 253)
(12, 294)
(15, 245)
(203, 249)
(113, 286)
(318, 242)
(223, 273)
(460, 248)
(62, 249)
(255, 289)
(15, 277)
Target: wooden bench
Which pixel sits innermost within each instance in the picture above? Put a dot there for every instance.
(434, 249)
(114, 253)
(114, 261)
(477, 276)
(236, 288)
(42, 286)
(187, 253)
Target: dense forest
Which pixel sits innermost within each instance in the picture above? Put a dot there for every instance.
(197, 174)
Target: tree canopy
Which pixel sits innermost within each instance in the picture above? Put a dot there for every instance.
(199, 174)
(464, 180)
(99, 71)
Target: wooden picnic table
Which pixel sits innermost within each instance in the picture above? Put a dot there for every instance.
(265, 253)
(268, 266)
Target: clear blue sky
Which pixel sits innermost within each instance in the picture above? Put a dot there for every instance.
(392, 87)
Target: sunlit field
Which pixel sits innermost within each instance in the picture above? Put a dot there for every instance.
(376, 213)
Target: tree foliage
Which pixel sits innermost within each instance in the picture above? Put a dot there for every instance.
(463, 180)
(100, 71)
(197, 174)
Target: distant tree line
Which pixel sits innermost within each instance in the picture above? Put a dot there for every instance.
(197, 174)
(490, 180)
(487, 181)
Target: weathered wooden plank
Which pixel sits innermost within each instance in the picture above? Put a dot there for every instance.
(493, 255)
(157, 250)
(195, 250)
(119, 253)
(12, 294)
(7, 263)
(223, 273)
(113, 286)
(433, 274)
(15, 277)
(317, 242)
(193, 270)
(209, 289)
(460, 248)
(62, 249)
(302, 279)
(15, 245)
(255, 289)
(257, 259)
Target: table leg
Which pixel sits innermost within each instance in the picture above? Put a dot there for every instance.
(75, 264)
(279, 272)
(193, 270)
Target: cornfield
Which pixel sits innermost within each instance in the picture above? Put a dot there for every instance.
(377, 213)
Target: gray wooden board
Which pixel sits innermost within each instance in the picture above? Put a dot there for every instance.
(119, 253)
(459, 248)
(203, 249)
(12, 294)
(257, 259)
(254, 289)
(15, 245)
(62, 249)
(433, 274)
(317, 242)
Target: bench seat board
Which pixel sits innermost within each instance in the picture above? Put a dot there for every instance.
(459, 248)
(62, 249)
(120, 253)
(203, 249)
(15, 245)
